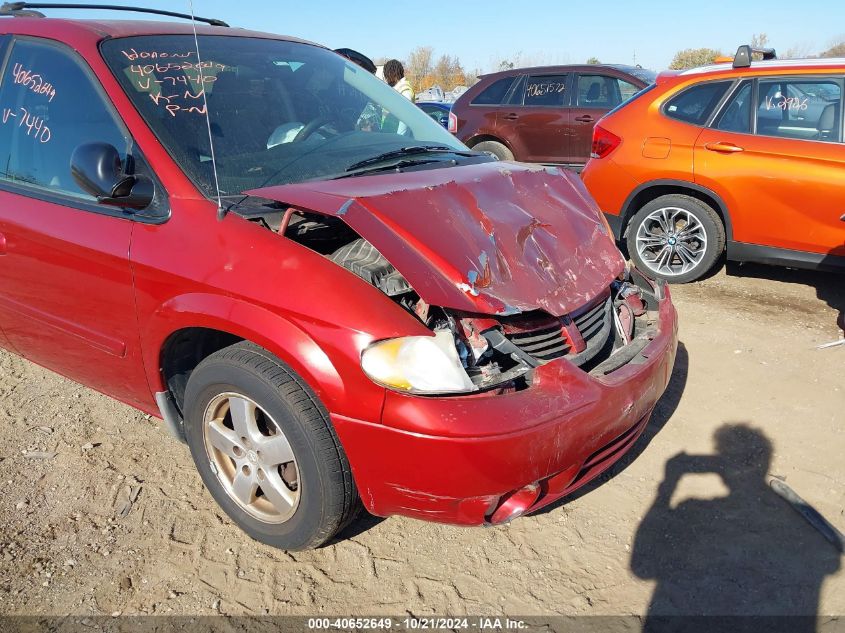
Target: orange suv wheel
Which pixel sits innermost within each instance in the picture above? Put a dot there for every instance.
(676, 237)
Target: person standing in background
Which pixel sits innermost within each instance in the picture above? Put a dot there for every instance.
(394, 75)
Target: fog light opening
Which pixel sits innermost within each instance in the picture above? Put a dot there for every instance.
(515, 504)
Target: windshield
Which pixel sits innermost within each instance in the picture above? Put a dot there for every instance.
(280, 112)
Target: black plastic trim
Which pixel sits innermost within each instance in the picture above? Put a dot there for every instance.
(742, 252)
(615, 222)
(170, 414)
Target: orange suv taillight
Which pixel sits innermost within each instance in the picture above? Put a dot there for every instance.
(604, 142)
(453, 123)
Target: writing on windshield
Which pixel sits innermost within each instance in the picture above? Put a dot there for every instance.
(173, 81)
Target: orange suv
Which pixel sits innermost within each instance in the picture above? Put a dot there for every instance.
(743, 157)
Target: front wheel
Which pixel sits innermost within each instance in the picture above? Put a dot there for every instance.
(676, 237)
(266, 450)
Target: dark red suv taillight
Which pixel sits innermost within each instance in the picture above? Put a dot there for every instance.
(453, 123)
(604, 142)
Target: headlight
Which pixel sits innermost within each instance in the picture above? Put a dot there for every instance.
(417, 364)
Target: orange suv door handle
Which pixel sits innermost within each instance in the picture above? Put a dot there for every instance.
(511, 116)
(723, 148)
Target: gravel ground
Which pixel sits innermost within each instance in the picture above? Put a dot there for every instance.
(101, 512)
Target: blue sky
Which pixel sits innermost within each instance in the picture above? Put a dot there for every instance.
(482, 32)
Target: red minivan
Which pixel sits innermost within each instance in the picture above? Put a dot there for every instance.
(325, 294)
(544, 114)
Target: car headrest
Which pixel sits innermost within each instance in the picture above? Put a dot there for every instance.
(829, 115)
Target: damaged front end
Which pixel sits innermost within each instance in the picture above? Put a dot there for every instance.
(599, 337)
(479, 353)
(545, 281)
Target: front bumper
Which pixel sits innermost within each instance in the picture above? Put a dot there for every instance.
(452, 459)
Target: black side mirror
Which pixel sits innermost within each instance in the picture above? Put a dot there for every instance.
(97, 169)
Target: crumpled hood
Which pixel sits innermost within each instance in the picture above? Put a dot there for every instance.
(492, 238)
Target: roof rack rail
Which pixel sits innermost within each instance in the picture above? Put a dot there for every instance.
(25, 9)
(742, 59)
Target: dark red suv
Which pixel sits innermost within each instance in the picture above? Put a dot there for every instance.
(324, 293)
(544, 114)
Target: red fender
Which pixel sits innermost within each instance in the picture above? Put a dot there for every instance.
(283, 338)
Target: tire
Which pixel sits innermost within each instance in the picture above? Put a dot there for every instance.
(494, 148)
(676, 237)
(260, 412)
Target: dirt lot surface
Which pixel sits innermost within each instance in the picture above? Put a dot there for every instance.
(101, 512)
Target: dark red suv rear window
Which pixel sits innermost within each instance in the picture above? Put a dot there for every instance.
(495, 93)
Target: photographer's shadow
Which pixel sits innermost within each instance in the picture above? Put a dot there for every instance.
(747, 553)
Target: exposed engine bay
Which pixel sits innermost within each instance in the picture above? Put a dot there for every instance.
(497, 352)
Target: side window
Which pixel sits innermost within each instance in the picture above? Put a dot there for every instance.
(799, 108)
(601, 91)
(544, 90)
(736, 115)
(495, 93)
(516, 91)
(696, 104)
(627, 89)
(49, 106)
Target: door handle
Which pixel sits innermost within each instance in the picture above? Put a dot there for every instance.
(2, 244)
(512, 116)
(585, 118)
(723, 148)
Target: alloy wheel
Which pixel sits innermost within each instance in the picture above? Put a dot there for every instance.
(251, 457)
(671, 241)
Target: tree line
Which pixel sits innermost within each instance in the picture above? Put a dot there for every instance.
(424, 70)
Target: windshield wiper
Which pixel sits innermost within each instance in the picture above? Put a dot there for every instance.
(397, 166)
(406, 151)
